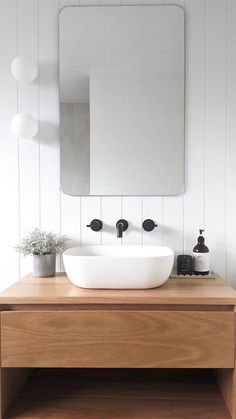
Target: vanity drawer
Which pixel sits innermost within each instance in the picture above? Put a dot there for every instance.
(118, 338)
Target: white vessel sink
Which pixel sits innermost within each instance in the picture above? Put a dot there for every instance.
(118, 267)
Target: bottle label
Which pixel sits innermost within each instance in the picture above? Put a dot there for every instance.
(201, 262)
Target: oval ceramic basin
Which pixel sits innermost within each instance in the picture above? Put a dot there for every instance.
(118, 267)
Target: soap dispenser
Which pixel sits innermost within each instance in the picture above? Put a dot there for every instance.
(201, 256)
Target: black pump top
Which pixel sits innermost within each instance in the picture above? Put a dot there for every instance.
(201, 238)
(201, 247)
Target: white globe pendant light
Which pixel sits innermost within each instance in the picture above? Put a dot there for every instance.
(24, 69)
(24, 125)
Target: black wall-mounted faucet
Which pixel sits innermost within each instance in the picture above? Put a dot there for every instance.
(95, 225)
(121, 226)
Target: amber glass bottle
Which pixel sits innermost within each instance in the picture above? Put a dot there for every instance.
(201, 256)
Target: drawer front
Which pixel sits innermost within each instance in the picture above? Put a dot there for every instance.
(134, 339)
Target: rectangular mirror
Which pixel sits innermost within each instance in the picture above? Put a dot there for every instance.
(122, 100)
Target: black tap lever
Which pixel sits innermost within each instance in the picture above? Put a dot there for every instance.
(149, 225)
(121, 226)
(95, 225)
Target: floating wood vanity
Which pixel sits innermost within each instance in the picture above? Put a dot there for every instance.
(168, 352)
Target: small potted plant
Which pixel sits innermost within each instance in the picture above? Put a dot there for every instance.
(44, 247)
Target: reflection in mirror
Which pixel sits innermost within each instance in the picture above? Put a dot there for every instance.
(122, 100)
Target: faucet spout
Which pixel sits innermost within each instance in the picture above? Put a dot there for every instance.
(121, 226)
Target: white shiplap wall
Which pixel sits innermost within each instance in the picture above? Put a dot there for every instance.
(29, 170)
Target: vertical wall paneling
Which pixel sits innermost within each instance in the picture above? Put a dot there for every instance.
(30, 178)
(70, 205)
(9, 220)
(194, 197)
(28, 103)
(49, 114)
(70, 221)
(152, 208)
(173, 207)
(132, 212)
(215, 131)
(111, 213)
(91, 208)
(173, 223)
(231, 145)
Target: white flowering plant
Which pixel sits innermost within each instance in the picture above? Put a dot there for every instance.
(38, 242)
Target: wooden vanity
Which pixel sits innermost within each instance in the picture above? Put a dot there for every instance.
(68, 352)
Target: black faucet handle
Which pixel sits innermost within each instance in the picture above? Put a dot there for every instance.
(149, 225)
(121, 226)
(95, 225)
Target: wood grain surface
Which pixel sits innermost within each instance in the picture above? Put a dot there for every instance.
(60, 290)
(226, 379)
(144, 339)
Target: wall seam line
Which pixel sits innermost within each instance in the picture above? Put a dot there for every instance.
(185, 151)
(39, 139)
(60, 192)
(162, 219)
(142, 219)
(205, 109)
(226, 134)
(101, 218)
(18, 142)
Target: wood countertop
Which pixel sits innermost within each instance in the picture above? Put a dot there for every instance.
(59, 290)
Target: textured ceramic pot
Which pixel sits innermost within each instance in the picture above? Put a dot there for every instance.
(44, 265)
